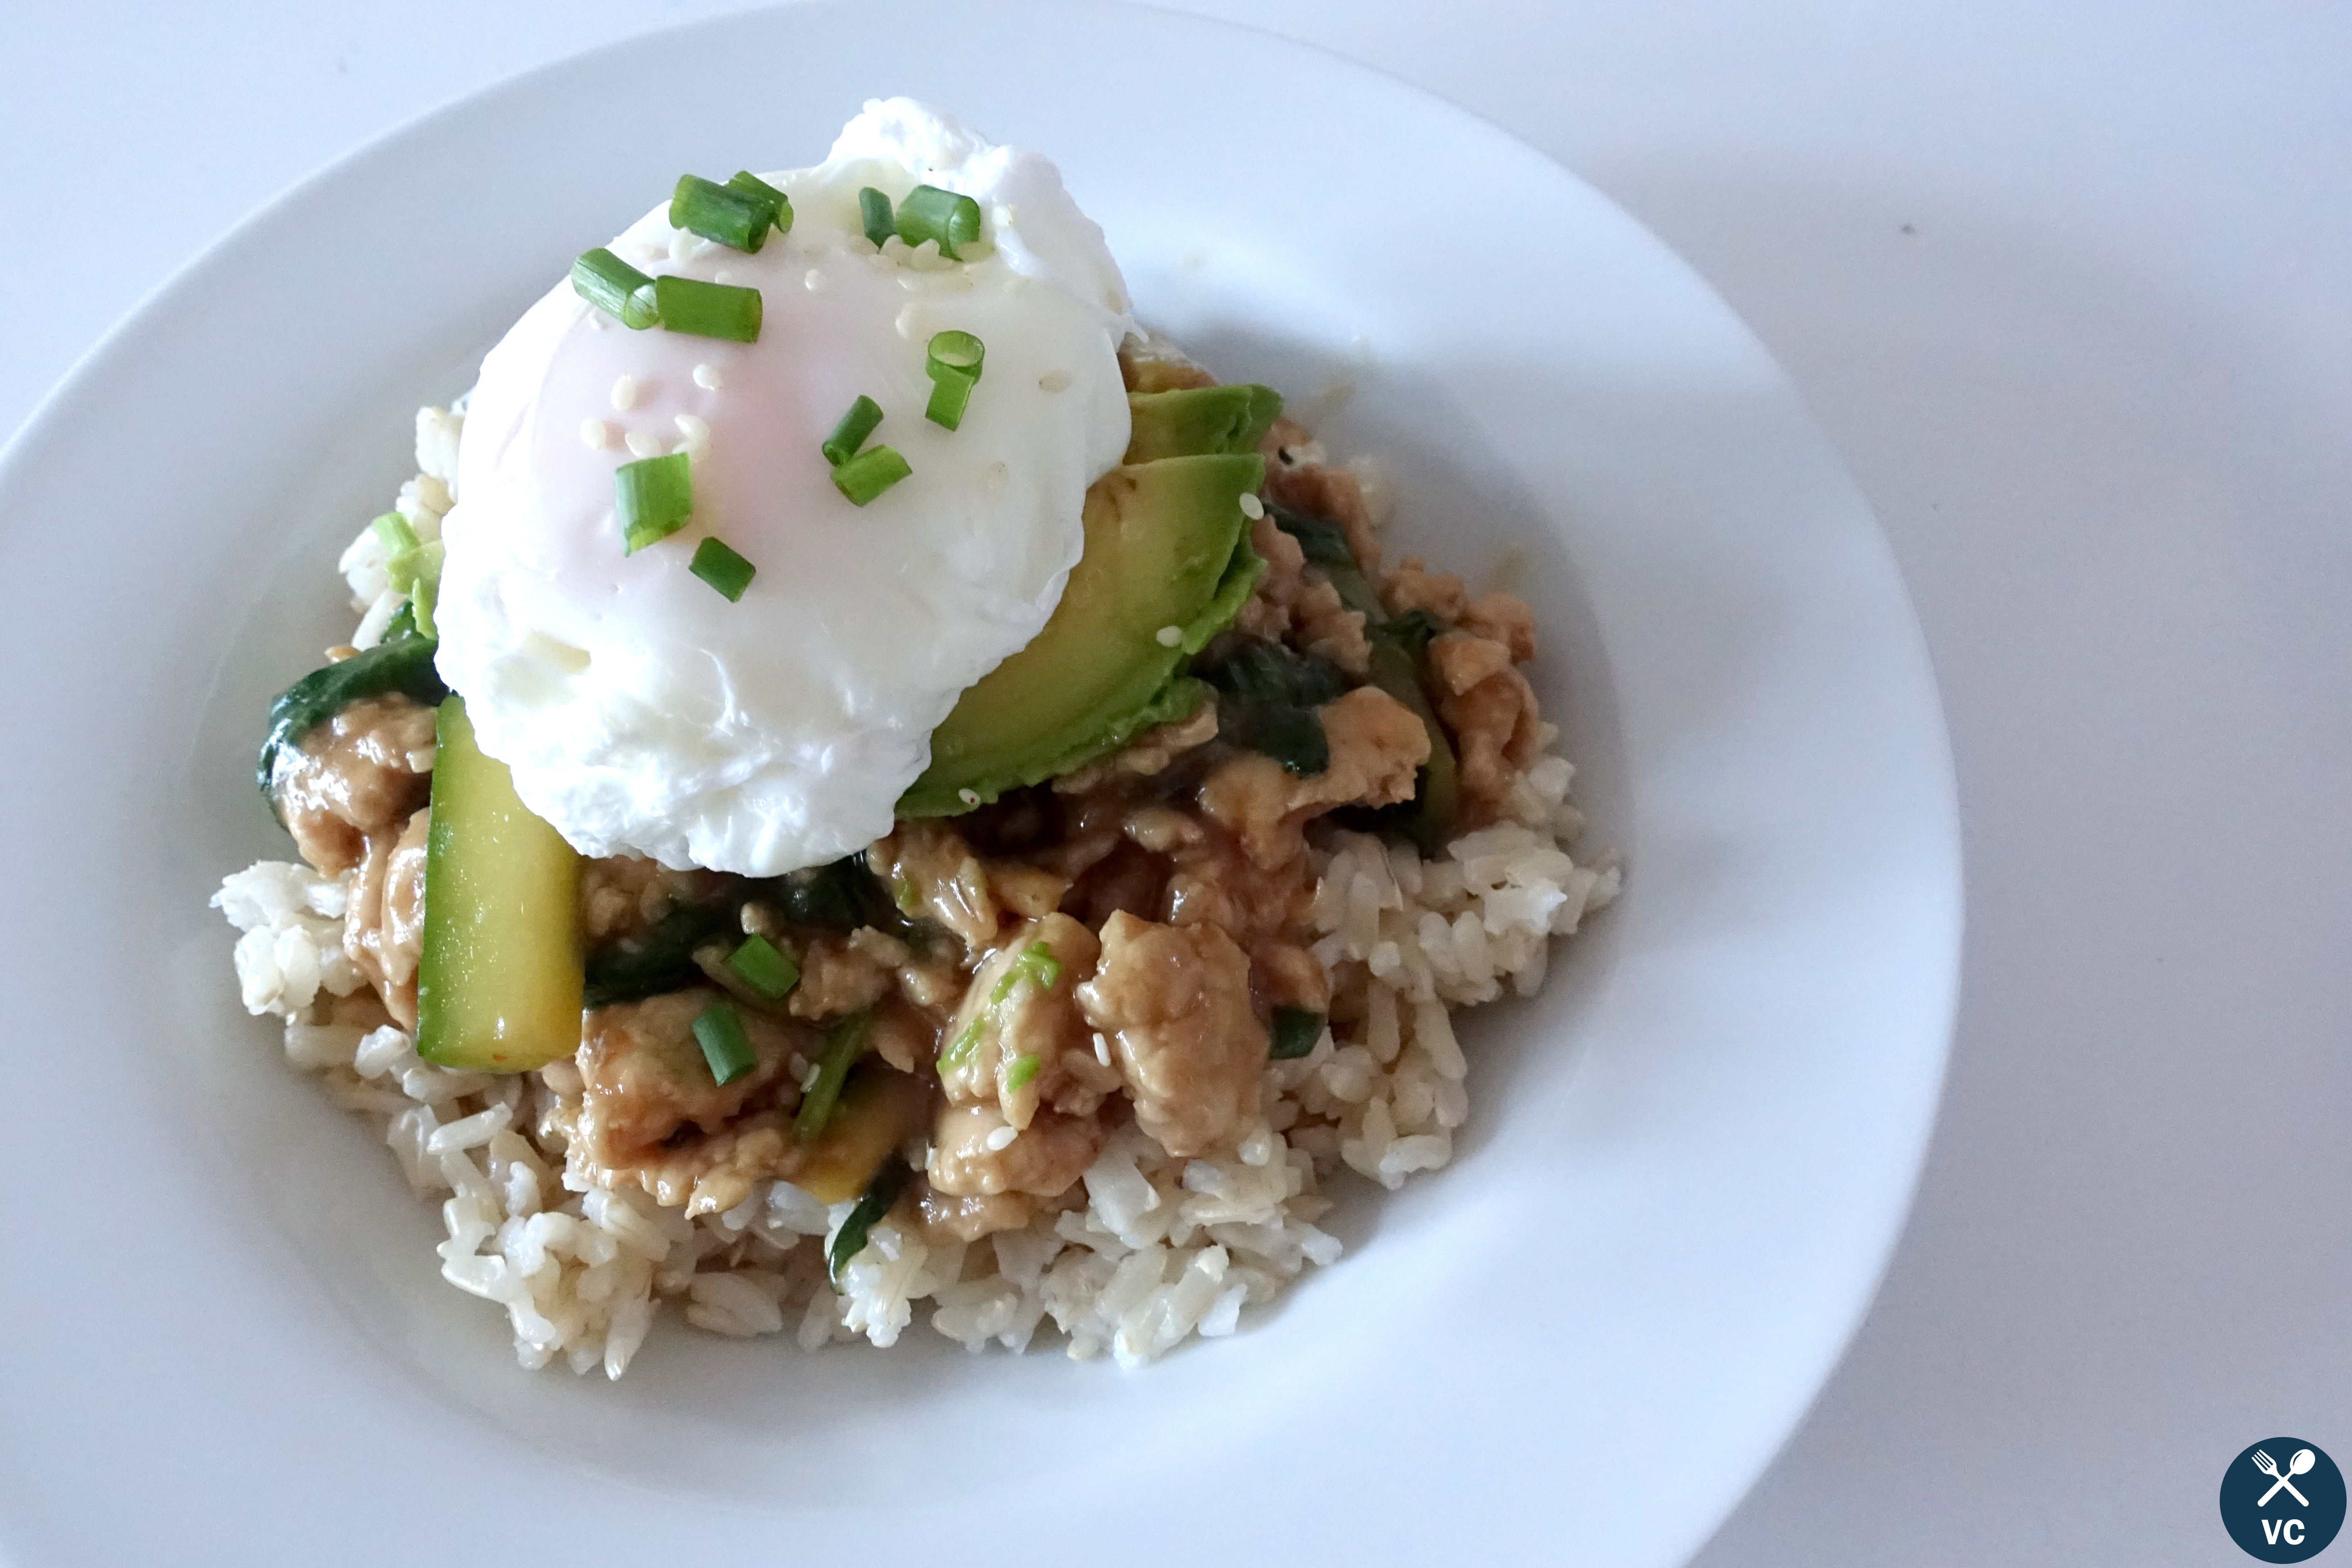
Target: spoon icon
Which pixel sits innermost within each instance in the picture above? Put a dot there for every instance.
(2300, 1463)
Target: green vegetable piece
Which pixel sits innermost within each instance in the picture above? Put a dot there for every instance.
(950, 394)
(1166, 550)
(840, 896)
(954, 351)
(1272, 696)
(870, 473)
(728, 214)
(843, 1044)
(952, 361)
(1325, 542)
(1023, 1071)
(498, 981)
(398, 666)
(1296, 1030)
(851, 1239)
(652, 499)
(1036, 965)
(416, 572)
(656, 959)
(850, 434)
(724, 570)
(959, 1050)
(873, 215)
(707, 310)
(768, 970)
(1399, 668)
(615, 288)
(719, 1030)
(397, 536)
(1199, 419)
(880, 1108)
(751, 184)
(930, 213)
(1398, 645)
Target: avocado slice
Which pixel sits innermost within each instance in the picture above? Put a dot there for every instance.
(1200, 419)
(1167, 547)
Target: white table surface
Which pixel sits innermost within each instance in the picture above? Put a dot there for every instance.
(2071, 288)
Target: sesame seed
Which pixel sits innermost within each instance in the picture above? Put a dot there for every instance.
(1001, 1139)
(908, 318)
(706, 376)
(624, 392)
(968, 796)
(1102, 1048)
(1252, 508)
(1053, 381)
(693, 427)
(597, 434)
(645, 444)
(724, 275)
(1169, 637)
(814, 282)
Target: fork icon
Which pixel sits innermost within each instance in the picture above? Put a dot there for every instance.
(2303, 1459)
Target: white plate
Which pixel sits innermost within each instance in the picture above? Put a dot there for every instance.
(223, 1338)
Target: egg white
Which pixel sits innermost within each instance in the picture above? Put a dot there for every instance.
(639, 710)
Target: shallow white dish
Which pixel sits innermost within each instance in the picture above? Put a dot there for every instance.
(1689, 1157)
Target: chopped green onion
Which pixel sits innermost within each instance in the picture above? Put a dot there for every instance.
(719, 566)
(725, 1046)
(1042, 965)
(421, 599)
(851, 433)
(879, 1194)
(1036, 965)
(952, 361)
(843, 1044)
(1296, 1030)
(394, 530)
(906, 895)
(652, 496)
(930, 213)
(956, 351)
(873, 212)
(615, 288)
(751, 184)
(728, 214)
(1023, 1068)
(414, 572)
(950, 391)
(870, 473)
(967, 1042)
(419, 563)
(707, 310)
(767, 969)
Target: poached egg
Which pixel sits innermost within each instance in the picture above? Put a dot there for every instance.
(639, 710)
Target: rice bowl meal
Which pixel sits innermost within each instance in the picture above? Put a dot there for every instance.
(864, 779)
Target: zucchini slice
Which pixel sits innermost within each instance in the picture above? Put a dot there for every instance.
(498, 984)
(402, 665)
